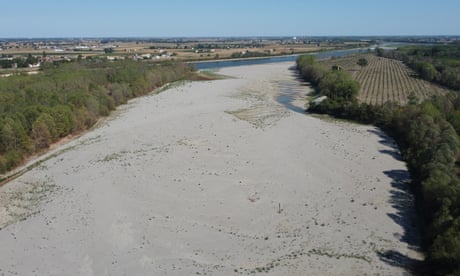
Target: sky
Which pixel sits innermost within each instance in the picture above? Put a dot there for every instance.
(214, 18)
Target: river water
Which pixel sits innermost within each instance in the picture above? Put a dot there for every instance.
(209, 65)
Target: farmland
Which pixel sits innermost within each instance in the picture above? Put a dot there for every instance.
(179, 49)
(385, 80)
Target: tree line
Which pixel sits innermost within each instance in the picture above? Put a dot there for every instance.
(439, 63)
(428, 143)
(7, 61)
(67, 98)
(249, 54)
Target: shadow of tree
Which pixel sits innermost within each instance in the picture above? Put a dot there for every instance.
(394, 258)
(401, 198)
(394, 153)
(385, 139)
(388, 142)
(402, 201)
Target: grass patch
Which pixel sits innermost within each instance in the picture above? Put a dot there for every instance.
(22, 204)
(206, 75)
(331, 254)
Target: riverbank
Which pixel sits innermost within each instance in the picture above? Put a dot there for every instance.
(213, 177)
(222, 63)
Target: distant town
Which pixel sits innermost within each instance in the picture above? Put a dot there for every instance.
(30, 53)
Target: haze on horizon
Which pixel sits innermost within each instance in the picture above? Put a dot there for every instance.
(177, 18)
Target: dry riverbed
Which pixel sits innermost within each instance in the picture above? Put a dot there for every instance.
(214, 178)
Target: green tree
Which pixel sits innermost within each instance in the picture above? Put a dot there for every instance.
(427, 71)
(8, 138)
(108, 50)
(412, 99)
(30, 59)
(44, 131)
(446, 249)
(339, 85)
(310, 69)
(362, 62)
(379, 51)
(13, 136)
(63, 119)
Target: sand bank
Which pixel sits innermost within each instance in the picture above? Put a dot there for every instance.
(213, 178)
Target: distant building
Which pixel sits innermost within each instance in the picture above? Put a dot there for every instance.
(35, 65)
(81, 48)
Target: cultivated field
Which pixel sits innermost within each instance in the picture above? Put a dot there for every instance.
(385, 80)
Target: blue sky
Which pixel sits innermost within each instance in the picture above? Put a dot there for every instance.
(185, 18)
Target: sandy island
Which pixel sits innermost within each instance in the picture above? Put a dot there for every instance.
(214, 178)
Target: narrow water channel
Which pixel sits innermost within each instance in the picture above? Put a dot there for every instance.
(293, 92)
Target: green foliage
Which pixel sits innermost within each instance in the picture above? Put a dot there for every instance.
(43, 131)
(445, 250)
(37, 110)
(430, 109)
(412, 99)
(427, 71)
(63, 119)
(248, 54)
(310, 70)
(20, 62)
(339, 85)
(108, 50)
(362, 62)
(13, 136)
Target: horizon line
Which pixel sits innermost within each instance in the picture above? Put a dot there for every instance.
(231, 36)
